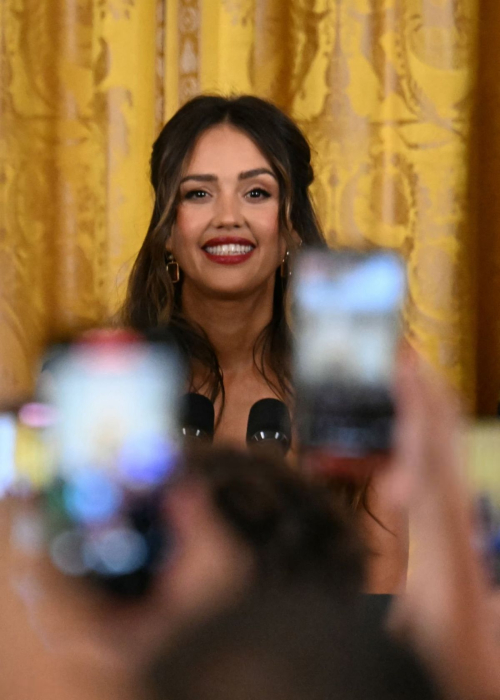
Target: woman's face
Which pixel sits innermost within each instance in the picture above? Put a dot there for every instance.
(226, 238)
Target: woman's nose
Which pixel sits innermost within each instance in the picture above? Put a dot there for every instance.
(227, 213)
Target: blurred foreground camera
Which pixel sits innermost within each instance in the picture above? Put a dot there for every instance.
(106, 421)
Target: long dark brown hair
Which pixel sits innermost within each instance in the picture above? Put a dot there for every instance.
(152, 300)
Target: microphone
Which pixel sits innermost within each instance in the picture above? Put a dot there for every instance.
(269, 425)
(197, 418)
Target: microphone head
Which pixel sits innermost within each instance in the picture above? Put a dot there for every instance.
(269, 421)
(197, 416)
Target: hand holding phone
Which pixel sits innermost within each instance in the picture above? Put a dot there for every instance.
(112, 445)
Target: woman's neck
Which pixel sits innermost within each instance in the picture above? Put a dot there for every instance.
(232, 325)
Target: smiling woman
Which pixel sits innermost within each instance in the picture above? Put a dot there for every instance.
(231, 179)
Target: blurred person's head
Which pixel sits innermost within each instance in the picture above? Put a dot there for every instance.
(287, 643)
(241, 520)
(236, 521)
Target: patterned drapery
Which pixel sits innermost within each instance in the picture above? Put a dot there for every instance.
(384, 90)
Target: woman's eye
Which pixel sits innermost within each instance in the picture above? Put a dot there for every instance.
(258, 193)
(196, 194)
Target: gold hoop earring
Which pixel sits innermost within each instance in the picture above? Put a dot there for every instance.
(173, 269)
(284, 269)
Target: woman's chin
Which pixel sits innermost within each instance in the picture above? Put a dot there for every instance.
(230, 289)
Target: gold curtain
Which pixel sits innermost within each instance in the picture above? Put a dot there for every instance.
(81, 104)
(384, 90)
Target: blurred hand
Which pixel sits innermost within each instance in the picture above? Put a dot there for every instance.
(427, 447)
(207, 567)
(72, 618)
(445, 611)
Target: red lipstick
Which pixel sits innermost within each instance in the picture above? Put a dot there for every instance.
(229, 258)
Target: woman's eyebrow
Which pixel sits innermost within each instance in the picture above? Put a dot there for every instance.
(200, 178)
(247, 174)
(256, 171)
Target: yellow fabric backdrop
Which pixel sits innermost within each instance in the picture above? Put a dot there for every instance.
(384, 90)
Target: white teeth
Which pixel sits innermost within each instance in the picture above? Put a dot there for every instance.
(229, 249)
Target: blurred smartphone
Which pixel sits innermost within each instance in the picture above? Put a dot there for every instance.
(482, 450)
(8, 437)
(106, 412)
(23, 458)
(347, 324)
(114, 401)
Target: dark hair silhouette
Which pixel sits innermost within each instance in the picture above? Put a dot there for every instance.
(289, 643)
(293, 525)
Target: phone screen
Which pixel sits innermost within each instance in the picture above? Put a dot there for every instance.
(105, 416)
(8, 436)
(115, 408)
(347, 323)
